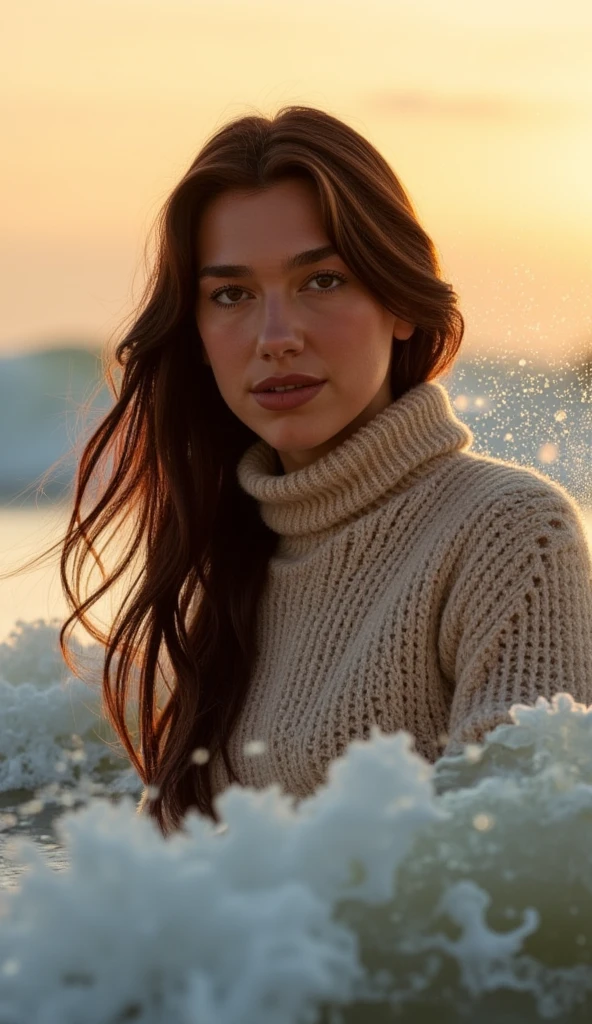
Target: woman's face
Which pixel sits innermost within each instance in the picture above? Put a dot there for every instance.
(260, 317)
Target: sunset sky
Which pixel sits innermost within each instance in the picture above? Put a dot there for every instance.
(484, 110)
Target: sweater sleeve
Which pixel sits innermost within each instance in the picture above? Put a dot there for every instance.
(518, 621)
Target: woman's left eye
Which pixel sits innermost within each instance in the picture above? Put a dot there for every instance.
(327, 274)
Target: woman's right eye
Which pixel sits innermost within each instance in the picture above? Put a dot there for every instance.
(223, 291)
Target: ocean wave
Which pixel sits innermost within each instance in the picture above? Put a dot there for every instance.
(399, 890)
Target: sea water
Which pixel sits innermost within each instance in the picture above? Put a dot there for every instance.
(399, 891)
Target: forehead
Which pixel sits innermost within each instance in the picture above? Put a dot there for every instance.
(275, 221)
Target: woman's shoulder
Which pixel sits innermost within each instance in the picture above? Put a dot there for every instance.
(499, 496)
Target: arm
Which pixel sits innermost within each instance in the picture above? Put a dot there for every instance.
(518, 622)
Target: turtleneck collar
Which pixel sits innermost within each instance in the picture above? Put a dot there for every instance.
(341, 485)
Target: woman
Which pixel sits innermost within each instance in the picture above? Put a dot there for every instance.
(317, 559)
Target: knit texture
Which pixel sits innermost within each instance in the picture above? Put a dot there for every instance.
(416, 585)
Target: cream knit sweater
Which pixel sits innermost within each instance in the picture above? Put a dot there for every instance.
(416, 585)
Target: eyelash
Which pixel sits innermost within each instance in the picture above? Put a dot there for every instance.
(319, 273)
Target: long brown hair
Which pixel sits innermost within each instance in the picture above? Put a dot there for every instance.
(161, 465)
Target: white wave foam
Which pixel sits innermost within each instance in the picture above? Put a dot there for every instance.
(376, 894)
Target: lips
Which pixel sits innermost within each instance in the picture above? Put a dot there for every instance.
(299, 379)
(282, 401)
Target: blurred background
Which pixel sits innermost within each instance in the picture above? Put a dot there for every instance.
(484, 112)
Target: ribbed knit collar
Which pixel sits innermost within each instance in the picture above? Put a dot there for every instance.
(356, 474)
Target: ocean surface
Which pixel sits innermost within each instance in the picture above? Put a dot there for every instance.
(398, 892)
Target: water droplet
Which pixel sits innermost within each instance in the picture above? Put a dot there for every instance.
(200, 755)
(10, 967)
(254, 747)
(548, 453)
(483, 822)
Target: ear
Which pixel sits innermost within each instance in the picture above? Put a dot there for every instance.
(402, 329)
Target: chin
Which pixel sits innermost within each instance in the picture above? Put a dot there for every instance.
(304, 439)
(294, 444)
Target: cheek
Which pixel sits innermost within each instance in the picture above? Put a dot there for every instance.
(223, 346)
(362, 317)
(360, 340)
(364, 364)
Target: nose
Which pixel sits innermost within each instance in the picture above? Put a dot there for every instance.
(278, 334)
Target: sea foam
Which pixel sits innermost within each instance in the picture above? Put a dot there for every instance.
(397, 891)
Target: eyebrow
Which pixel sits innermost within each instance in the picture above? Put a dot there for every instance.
(301, 259)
